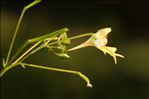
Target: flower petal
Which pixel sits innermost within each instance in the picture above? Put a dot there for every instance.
(119, 55)
(109, 51)
(113, 49)
(99, 40)
(103, 32)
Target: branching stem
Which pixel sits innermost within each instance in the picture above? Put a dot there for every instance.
(61, 70)
(79, 36)
(18, 25)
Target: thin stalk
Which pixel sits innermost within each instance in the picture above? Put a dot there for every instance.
(25, 53)
(37, 49)
(61, 70)
(32, 52)
(18, 52)
(23, 57)
(18, 25)
(82, 35)
(2, 72)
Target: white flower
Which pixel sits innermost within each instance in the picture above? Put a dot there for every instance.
(99, 40)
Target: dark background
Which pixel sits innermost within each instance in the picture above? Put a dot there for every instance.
(129, 79)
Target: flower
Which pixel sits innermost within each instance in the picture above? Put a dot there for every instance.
(99, 40)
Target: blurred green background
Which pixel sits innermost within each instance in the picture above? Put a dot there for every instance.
(129, 79)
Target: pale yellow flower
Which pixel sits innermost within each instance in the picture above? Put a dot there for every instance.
(99, 40)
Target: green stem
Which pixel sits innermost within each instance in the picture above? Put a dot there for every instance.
(36, 39)
(82, 35)
(23, 57)
(18, 52)
(75, 37)
(61, 70)
(37, 49)
(17, 27)
(36, 44)
(4, 70)
(32, 52)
